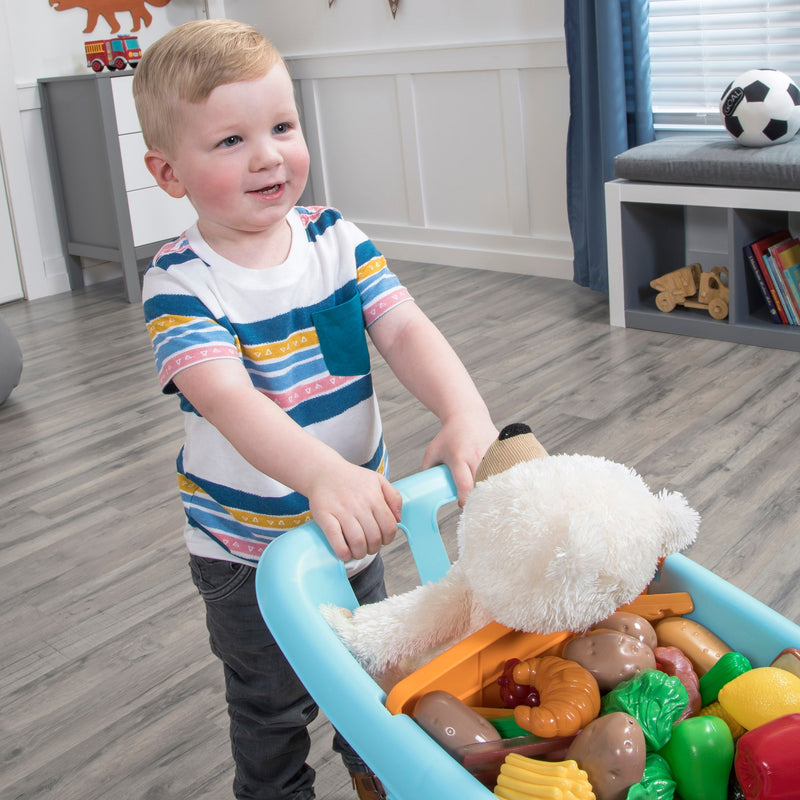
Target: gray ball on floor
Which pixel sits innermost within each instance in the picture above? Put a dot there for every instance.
(10, 361)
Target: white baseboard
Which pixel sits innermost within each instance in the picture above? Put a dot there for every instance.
(519, 263)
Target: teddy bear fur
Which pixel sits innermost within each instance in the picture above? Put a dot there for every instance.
(548, 544)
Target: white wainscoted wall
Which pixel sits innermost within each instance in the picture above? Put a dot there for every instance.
(450, 154)
(441, 132)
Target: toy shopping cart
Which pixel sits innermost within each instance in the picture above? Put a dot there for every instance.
(300, 565)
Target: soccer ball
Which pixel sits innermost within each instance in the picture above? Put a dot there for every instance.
(761, 107)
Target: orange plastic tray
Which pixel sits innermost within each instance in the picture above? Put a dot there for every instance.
(469, 670)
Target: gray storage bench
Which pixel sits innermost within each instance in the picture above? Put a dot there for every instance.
(699, 197)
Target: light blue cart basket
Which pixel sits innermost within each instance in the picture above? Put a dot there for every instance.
(298, 572)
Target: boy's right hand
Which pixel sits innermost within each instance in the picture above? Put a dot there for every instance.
(356, 509)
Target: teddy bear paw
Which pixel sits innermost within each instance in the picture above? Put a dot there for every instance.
(340, 619)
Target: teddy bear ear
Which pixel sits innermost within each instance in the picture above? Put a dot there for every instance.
(515, 444)
(682, 522)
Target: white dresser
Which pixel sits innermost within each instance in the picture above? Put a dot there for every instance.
(109, 206)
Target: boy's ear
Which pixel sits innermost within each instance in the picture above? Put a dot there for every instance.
(161, 169)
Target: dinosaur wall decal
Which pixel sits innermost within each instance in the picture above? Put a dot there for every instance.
(108, 9)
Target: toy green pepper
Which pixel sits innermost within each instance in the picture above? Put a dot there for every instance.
(700, 755)
(729, 666)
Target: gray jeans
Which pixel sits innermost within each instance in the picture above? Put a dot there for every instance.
(268, 706)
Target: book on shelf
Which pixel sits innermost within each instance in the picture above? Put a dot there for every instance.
(771, 264)
(786, 256)
(750, 258)
(754, 253)
(792, 276)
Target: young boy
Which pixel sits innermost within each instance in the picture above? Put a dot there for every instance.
(258, 316)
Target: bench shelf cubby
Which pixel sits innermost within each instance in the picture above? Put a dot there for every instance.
(654, 228)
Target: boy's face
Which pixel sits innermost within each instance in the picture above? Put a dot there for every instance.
(241, 159)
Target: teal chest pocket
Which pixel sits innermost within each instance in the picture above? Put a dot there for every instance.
(342, 338)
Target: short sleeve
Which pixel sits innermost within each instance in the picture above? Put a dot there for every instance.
(379, 287)
(183, 330)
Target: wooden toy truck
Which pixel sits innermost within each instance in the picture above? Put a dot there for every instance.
(691, 287)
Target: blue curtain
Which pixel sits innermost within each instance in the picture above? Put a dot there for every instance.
(608, 58)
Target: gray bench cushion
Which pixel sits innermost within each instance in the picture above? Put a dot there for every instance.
(715, 160)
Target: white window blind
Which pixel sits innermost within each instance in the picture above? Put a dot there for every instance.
(698, 46)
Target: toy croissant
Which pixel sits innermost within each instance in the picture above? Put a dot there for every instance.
(545, 543)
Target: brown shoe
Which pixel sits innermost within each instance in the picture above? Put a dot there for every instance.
(367, 786)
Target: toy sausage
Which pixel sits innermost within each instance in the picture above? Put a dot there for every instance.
(568, 694)
(698, 644)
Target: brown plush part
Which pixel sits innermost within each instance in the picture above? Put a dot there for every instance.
(515, 444)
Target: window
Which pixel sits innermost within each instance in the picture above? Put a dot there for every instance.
(697, 47)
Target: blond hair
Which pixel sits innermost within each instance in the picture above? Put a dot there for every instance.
(187, 64)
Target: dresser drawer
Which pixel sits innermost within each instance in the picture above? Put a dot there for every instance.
(155, 215)
(131, 150)
(124, 107)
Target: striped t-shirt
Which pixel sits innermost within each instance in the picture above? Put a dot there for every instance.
(300, 330)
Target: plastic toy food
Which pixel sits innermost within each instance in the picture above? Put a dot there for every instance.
(612, 751)
(611, 656)
(701, 646)
(514, 694)
(716, 710)
(726, 669)
(632, 624)
(657, 606)
(656, 783)
(700, 755)
(672, 661)
(484, 759)
(522, 777)
(569, 697)
(451, 723)
(767, 763)
(502, 720)
(761, 695)
(734, 789)
(789, 660)
(654, 700)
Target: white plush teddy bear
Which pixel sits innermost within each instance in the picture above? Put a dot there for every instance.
(545, 543)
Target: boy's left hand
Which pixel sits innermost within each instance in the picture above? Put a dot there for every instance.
(461, 444)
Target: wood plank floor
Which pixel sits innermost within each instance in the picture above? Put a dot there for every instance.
(107, 688)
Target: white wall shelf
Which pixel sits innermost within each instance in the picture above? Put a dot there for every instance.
(654, 228)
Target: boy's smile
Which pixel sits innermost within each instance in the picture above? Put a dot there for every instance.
(243, 163)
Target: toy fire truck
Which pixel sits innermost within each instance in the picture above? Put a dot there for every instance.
(113, 54)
